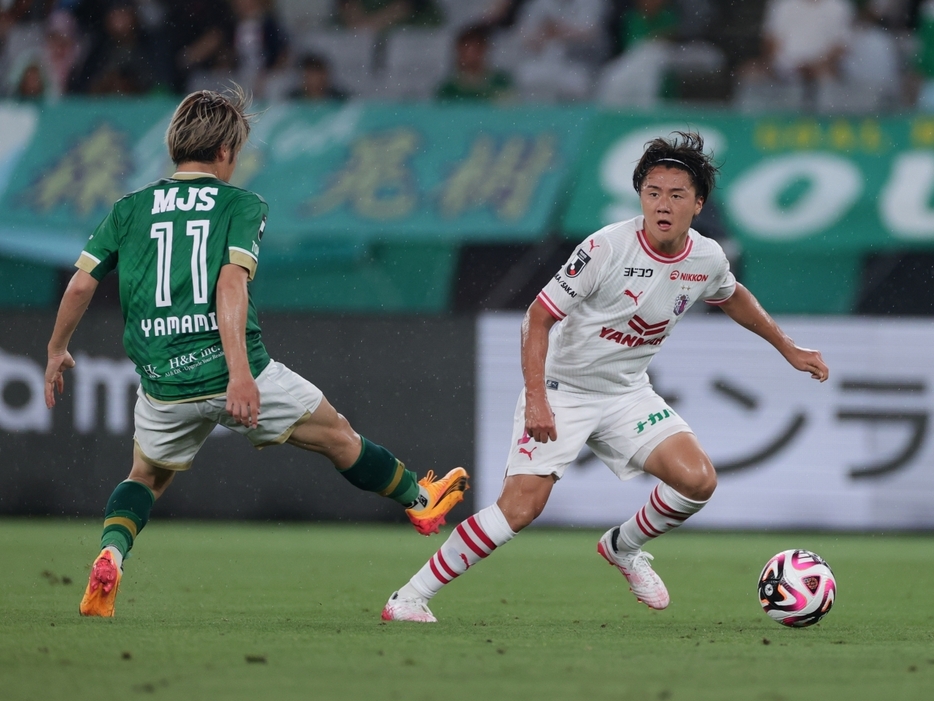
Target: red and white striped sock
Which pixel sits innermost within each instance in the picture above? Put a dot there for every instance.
(470, 542)
(665, 509)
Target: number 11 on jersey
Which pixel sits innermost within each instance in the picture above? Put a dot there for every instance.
(162, 233)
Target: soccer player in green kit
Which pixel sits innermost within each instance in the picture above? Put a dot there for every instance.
(186, 248)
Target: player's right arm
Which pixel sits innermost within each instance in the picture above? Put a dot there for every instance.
(232, 305)
(74, 303)
(575, 281)
(98, 258)
(539, 419)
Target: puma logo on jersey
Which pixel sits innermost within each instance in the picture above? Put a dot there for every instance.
(593, 245)
(635, 298)
(528, 452)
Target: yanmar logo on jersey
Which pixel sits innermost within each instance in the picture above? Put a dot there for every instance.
(642, 329)
(688, 277)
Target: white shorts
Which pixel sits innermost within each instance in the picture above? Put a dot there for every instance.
(170, 435)
(621, 430)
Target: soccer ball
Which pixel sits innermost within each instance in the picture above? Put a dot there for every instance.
(797, 588)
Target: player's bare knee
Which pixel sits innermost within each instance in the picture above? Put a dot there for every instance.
(519, 518)
(520, 513)
(700, 484)
(341, 444)
(342, 424)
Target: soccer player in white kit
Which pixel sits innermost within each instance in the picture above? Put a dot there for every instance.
(587, 340)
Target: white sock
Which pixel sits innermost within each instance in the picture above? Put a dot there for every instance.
(118, 556)
(421, 501)
(665, 509)
(470, 542)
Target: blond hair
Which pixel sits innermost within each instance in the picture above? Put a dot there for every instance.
(206, 120)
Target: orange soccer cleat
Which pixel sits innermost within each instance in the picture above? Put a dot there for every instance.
(443, 495)
(101, 593)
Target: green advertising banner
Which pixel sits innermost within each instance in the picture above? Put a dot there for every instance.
(336, 177)
(368, 202)
(839, 184)
(805, 197)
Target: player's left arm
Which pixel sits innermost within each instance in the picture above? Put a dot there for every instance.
(75, 301)
(232, 306)
(743, 308)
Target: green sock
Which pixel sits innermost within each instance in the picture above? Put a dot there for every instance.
(378, 470)
(127, 512)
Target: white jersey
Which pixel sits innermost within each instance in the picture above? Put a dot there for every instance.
(618, 299)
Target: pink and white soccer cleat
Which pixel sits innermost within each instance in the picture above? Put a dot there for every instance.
(643, 581)
(399, 609)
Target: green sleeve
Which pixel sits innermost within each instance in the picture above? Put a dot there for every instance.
(99, 256)
(247, 224)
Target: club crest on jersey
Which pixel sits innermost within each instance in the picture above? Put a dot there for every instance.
(575, 266)
(681, 303)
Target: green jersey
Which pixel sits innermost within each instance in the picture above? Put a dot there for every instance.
(169, 241)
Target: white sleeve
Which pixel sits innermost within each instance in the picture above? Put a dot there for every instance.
(722, 284)
(577, 279)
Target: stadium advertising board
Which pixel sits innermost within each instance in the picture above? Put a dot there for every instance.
(67, 461)
(851, 453)
(805, 197)
(336, 177)
(796, 182)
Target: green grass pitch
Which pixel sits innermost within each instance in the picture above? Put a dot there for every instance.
(266, 611)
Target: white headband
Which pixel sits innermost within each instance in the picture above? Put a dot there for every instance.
(680, 163)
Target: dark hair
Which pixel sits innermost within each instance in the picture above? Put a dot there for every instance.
(684, 150)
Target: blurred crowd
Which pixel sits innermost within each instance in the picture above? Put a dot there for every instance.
(825, 55)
